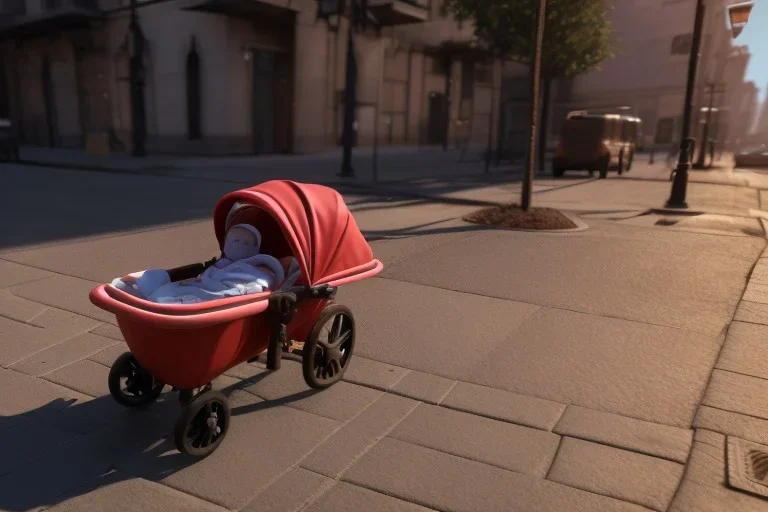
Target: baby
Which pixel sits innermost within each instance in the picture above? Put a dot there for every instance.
(241, 270)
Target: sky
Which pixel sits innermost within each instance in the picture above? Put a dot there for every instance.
(755, 36)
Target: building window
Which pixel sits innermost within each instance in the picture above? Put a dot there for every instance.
(484, 74)
(664, 130)
(681, 45)
(467, 79)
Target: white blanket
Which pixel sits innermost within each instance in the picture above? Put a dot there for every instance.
(256, 274)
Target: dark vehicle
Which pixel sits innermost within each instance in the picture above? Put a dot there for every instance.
(596, 142)
(9, 144)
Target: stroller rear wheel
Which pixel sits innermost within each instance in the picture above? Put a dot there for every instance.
(130, 384)
(203, 424)
(329, 347)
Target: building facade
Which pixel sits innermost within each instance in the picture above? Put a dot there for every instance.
(241, 76)
(648, 75)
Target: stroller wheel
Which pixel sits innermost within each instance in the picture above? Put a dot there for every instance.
(130, 384)
(203, 424)
(329, 347)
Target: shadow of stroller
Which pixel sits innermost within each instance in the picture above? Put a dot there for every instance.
(69, 448)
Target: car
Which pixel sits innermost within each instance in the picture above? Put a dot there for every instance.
(596, 142)
(753, 157)
(9, 144)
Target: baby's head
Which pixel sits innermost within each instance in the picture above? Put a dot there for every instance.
(242, 241)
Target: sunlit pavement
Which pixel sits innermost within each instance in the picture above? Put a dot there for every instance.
(494, 369)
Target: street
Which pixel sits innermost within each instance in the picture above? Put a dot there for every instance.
(502, 370)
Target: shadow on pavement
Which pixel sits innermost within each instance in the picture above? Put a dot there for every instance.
(67, 448)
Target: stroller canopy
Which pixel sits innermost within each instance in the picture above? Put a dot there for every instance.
(314, 221)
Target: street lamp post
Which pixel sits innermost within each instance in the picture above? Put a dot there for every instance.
(738, 15)
(680, 183)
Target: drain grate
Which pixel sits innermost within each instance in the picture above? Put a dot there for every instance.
(748, 466)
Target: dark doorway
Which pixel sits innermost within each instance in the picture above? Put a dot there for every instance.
(5, 93)
(263, 103)
(438, 119)
(48, 100)
(194, 128)
(272, 102)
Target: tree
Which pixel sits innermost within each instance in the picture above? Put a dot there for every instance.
(577, 38)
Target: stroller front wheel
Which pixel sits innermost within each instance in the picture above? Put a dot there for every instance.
(203, 424)
(329, 347)
(130, 384)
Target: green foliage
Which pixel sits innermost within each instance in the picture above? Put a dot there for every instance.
(577, 35)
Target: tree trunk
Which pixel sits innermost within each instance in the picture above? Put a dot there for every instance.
(545, 93)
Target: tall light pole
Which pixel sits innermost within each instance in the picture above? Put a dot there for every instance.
(525, 200)
(138, 114)
(738, 16)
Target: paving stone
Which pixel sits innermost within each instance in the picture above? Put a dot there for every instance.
(87, 377)
(130, 494)
(732, 423)
(289, 492)
(374, 374)
(636, 435)
(608, 471)
(19, 340)
(649, 372)
(522, 449)
(395, 250)
(30, 393)
(342, 401)
(504, 405)
(704, 487)
(62, 354)
(596, 283)
(756, 292)
(128, 252)
(738, 393)
(75, 468)
(432, 330)
(745, 350)
(424, 386)
(248, 371)
(752, 312)
(28, 440)
(18, 308)
(12, 273)
(344, 497)
(453, 484)
(333, 456)
(64, 322)
(108, 356)
(263, 441)
(109, 331)
(65, 292)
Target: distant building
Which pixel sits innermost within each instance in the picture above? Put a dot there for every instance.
(647, 77)
(270, 76)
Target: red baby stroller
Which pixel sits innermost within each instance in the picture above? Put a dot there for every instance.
(186, 346)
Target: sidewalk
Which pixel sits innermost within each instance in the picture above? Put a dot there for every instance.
(494, 370)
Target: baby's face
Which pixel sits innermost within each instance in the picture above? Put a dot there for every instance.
(241, 237)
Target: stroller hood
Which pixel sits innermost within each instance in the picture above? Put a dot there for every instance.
(314, 221)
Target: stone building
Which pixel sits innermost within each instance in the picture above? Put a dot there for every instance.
(647, 77)
(270, 75)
